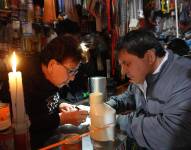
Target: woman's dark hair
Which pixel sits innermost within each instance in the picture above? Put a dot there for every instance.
(138, 42)
(60, 48)
(179, 47)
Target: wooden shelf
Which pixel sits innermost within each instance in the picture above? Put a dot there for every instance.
(10, 10)
(5, 11)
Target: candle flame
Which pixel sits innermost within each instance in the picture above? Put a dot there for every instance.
(14, 62)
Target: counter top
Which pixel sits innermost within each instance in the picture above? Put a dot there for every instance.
(87, 143)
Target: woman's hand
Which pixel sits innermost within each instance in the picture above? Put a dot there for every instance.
(73, 117)
(65, 107)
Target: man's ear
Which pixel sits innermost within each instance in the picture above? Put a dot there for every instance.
(51, 65)
(150, 56)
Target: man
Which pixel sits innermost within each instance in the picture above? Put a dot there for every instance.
(43, 77)
(159, 89)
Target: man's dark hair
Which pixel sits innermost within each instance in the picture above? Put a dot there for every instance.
(138, 42)
(60, 48)
(179, 47)
(67, 26)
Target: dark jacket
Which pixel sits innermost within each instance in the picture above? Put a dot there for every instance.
(42, 100)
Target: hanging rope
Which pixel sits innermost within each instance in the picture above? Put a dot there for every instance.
(108, 4)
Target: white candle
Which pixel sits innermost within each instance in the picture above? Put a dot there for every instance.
(16, 91)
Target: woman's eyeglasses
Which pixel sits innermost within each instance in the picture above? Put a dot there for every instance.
(72, 72)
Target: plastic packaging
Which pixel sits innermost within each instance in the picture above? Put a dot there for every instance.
(102, 119)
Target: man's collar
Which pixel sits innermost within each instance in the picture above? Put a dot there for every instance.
(157, 70)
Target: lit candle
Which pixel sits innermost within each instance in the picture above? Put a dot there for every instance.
(16, 91)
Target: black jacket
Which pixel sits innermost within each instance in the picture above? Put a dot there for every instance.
(41, 100)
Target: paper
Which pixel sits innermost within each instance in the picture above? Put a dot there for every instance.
(83, 107)
(87, 122)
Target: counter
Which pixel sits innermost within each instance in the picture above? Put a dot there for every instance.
(87, 143)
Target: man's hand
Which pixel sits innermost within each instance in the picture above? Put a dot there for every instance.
(65, 107)
(73, 117)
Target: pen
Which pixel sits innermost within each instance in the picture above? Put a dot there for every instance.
(77, 107)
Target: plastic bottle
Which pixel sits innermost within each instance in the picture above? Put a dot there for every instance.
(102, 119)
